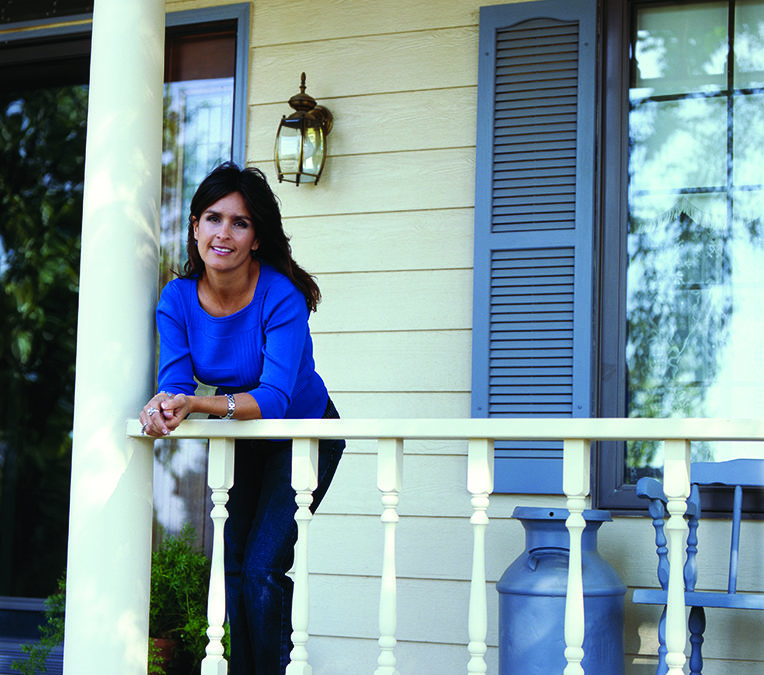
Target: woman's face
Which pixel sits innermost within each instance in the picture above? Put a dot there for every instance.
(225, 234)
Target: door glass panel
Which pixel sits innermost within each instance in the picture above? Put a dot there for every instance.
(695, 333)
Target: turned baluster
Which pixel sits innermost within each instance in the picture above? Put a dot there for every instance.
(304, 481)
(480, 485)
(676, 485)
(220, 479)
(389, 480)
(575, 485)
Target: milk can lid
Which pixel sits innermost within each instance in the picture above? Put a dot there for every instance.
(540, 513)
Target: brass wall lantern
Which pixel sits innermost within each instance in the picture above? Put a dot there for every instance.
(300, 151)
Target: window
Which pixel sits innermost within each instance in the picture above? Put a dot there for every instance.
(43, 107)
(681, 329)
(618, 224)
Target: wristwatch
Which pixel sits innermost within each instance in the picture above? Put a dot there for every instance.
(231, 407)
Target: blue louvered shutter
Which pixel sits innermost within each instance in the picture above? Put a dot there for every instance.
(534, 212)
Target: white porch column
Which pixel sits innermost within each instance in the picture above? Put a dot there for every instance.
(111, 492)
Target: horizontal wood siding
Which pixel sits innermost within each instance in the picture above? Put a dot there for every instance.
(389, 232)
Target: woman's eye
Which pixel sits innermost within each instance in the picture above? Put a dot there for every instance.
(241, 224)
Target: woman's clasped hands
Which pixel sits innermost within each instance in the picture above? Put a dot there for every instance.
(163, 413)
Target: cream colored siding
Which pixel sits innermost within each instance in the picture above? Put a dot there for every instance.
(388, 231)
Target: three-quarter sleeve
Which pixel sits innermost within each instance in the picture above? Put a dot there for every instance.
(285, 329)
(176, 371)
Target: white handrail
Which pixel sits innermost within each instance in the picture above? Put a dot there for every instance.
(576, 435)
(520, 429)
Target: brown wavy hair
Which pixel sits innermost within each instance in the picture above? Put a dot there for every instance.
(263, 207)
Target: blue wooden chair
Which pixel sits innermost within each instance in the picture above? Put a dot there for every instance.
(740, 474)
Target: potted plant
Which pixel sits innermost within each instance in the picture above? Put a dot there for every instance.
(180, 575)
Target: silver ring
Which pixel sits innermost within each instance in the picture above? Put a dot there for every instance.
(143, 429)
(151, 411)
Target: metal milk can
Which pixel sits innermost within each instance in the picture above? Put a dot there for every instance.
(532, 599)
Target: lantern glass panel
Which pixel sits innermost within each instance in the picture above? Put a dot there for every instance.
(288, 148)
(313, 150)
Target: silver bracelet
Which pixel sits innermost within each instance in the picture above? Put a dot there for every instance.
(231, 407)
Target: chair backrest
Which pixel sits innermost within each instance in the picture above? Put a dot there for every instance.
(737, 473)
(652, 489)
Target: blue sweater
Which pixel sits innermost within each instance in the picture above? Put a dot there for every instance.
(264, 349)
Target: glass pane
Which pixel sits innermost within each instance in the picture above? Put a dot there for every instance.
(680, 49)
(198, 134)
(749, 44)
(198, 123)
(678, 144)
(288, 149)
(695, 333)
(42, 152)
(43, 107)
(748, 126)
(312, 150)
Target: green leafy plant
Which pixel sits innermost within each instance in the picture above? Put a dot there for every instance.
(180, 575)
(51, 635)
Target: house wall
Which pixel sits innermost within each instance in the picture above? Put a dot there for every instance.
(388, 232)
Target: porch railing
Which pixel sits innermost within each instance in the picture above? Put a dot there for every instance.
(390, 434)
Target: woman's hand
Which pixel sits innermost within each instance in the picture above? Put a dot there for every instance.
(163, 413)
(151, 416)
(174, 410)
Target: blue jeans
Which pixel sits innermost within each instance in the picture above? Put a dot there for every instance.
(260, 534)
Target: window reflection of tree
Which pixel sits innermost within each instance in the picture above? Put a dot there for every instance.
(42, 150)
(696, 125)
(679, 298)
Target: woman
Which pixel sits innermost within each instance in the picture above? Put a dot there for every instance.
(237, 319)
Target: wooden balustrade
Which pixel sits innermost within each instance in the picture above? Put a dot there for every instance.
(576, 434)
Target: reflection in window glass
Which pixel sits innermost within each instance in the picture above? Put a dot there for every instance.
(695, 344)
(42, 162)
(198, 132)
(681, 50)
(198, 123)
